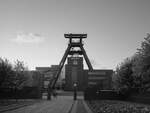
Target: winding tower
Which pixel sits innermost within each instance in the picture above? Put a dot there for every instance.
(75, 47)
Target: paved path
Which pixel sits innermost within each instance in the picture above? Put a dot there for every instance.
(12, 104)
(80, 106)
(59, 105)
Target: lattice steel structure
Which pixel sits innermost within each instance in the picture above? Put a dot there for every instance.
(75, 41)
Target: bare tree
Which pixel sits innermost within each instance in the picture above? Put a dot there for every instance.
(19, 76)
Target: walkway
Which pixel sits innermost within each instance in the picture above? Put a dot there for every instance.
(61, 104)
(80, 107)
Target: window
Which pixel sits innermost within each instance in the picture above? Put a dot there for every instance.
(75, 62)
(46, 84)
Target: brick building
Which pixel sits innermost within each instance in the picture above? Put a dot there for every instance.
(48, 73)
(100, 78)
(74, 73)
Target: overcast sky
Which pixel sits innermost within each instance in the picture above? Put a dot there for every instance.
(33, 30)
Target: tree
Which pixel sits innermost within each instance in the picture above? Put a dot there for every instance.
(6, 73)
(12, 77)
(124, 78)
(143, 64)
(134, 72)
(144, 53)
(20, 75)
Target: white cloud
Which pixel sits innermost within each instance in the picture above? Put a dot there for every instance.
(28, 38)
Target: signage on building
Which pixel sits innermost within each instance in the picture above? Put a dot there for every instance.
(92, 83)
(96, 78)
(46, 84)
(97, 73)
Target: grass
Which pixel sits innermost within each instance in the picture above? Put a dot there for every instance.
(114, 106)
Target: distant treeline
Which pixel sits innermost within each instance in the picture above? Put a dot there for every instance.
(16, 81)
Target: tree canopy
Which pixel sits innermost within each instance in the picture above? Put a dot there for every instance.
(134, 72)
(12, 75)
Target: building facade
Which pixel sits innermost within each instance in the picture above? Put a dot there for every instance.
(48, 73)
(74, 73)
(99, 78)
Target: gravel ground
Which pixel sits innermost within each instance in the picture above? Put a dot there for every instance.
(111, 106)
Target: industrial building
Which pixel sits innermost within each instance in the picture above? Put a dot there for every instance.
(74, 69)
(75, 73)
(48, 74)
(99, 78)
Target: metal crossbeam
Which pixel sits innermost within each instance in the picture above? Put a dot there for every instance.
(75, 35)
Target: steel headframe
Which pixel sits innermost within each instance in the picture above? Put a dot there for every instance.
(68, 51)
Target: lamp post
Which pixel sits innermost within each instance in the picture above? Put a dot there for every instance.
(75, 90)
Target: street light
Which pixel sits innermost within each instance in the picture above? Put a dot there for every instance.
(75, 90)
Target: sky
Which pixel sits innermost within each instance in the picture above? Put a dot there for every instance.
(33, 30)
